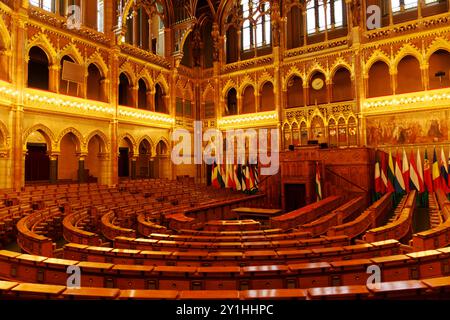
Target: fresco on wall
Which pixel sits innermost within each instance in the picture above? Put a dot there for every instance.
(408, 128)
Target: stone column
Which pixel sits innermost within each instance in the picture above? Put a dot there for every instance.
(133, 167)
(53, 80)
(81, 172)
(53, 167)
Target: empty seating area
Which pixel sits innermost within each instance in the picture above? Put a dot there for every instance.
(131, 242)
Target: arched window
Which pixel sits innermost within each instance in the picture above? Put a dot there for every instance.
(67, 87)
(295, 92)
(125, 92)
(231, 102)
(321, 15)
(248, 100)
(160, 105)
(409, 75)
(379, 80)
(402, 5)
(439, 69)
(38, 74)
(142, 95)
(145, 26)
(342, 85)
(47, 5)
(317, 89)
(256, 30)
(95, 84)
(267, 97)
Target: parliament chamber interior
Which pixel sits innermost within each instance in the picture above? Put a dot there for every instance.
(224, 149)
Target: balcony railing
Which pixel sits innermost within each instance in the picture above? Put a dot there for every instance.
(59, 103)
(407, 102)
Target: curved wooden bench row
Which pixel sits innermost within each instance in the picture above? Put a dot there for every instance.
(230, 233)
(321, 225)
(306, 214)
(232, 225)
(111, 231)
(74, 251)
(430, 288)
(399, 228)
(9, 216)
(217, 210)
(72, 232)
(240, 237)
(438, 237)
(412, 266)
(28, 238)
(152, 244)
(366, 220)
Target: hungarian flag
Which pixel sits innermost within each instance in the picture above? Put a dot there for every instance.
(399, 183)
(318, 185)
(414, 174)
(427, 173)
(405, 170)
(436, 173)
(391, 174)
(384, 180)
(378, 182)
(444, 172)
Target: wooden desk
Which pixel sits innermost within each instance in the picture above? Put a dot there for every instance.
(148, 294)
(261, 213)
(342, 292)
(209, 294)
(92, 293)
(273, 294)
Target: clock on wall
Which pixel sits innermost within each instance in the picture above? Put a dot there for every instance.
(317, 84)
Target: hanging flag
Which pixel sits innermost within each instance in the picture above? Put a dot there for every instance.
(241, 177)
(414, 174)
(420, 171)
(256, 174)
(220, 178)
(399, 182)
(391, 174)
(214, 180)
(237, 182)
(384, 179)
(444, 172)
(405, 170)
(427, 178)
(436, 174)
(448, 169)
(378, 181)
(318, 184)
(230, 177)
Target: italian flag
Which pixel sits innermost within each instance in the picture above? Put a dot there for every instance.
(318, 185)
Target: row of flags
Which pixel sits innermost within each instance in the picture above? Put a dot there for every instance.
(401, 173)
(235, 176)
